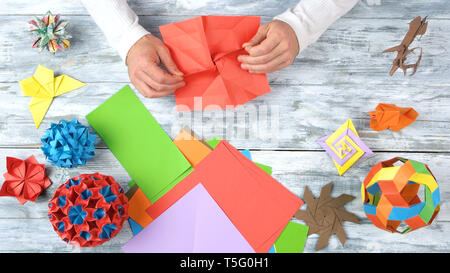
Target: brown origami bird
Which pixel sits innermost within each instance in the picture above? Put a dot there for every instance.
(416, 27)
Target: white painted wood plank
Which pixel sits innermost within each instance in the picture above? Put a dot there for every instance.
(295, 123)
(348, 53)
(295, 170)
(364, 9)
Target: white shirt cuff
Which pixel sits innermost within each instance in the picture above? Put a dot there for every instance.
(132, 35)
(292, 20)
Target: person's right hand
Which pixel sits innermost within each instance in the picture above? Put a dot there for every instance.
(145, 74)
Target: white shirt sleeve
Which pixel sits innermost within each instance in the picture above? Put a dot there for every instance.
(118, 21)
(310, 18)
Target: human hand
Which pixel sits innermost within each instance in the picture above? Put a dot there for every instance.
(145, 74)
(273, 47)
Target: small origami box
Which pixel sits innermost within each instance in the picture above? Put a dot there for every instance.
(345, 147)
(205, 49)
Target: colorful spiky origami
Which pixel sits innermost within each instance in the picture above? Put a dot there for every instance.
(390, 195)
(68, 144)
(50, 33)
(345, 147)
(88, 210)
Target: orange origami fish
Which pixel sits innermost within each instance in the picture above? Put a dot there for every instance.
(389, 116)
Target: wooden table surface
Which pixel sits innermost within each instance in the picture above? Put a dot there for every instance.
(344, 75)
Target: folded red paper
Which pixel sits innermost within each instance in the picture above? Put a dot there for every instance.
(205, 49)
(24, 179)
(258, 205)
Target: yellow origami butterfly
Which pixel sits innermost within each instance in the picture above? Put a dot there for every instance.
(43, 87)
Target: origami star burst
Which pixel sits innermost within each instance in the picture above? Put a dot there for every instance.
(389, 116)
(390, 195)
(345, 147)
(24, 179)
(50, 32)
(43, 87)
(325, 215)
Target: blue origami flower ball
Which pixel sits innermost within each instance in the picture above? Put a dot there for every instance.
(68, 144)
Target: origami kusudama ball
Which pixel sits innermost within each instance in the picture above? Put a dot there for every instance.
(88, 210)
(68, 144)
(50, 32)
(400, 197)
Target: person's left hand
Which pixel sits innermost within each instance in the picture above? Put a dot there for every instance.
(273, 47)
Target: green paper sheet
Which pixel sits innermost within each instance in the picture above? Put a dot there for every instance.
(139, 143)
(292, 239)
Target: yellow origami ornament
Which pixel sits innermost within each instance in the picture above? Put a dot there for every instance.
(345, 147)
(43, 87)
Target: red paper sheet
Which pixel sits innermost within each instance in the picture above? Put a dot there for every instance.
(205, 49)
(258, 205)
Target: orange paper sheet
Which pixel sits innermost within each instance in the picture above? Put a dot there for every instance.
(191, 147)
(205, 49)
(258, 205)
(389, 116)
(136, 210)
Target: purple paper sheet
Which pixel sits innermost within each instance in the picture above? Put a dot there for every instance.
(195, 223)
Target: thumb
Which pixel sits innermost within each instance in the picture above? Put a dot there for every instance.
(166, 59)
(258, 38)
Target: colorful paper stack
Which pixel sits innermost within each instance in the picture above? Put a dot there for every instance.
(199, 198)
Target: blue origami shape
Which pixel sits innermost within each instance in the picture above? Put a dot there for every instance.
(85, 235)
(135, 227)
(107, 230)
(68, 144)
(108, 194)
(77, 215)
(99, 213)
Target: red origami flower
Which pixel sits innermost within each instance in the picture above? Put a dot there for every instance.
(24, 179)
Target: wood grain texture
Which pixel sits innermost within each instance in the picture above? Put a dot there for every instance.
(294, 170)
(343, 75)
(296, 122)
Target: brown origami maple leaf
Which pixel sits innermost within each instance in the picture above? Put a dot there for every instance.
(416, 27)
(325, 215)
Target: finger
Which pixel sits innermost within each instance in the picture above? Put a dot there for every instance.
(248, 59)
(259, 36)
(147, 79)
(149, 92)
(166, 59)
(273, 65)
(161, 77)
(264, 47)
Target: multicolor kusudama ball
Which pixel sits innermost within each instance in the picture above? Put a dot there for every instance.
(88, 210)
(390, 194)
(50, 33)
(68, 144)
